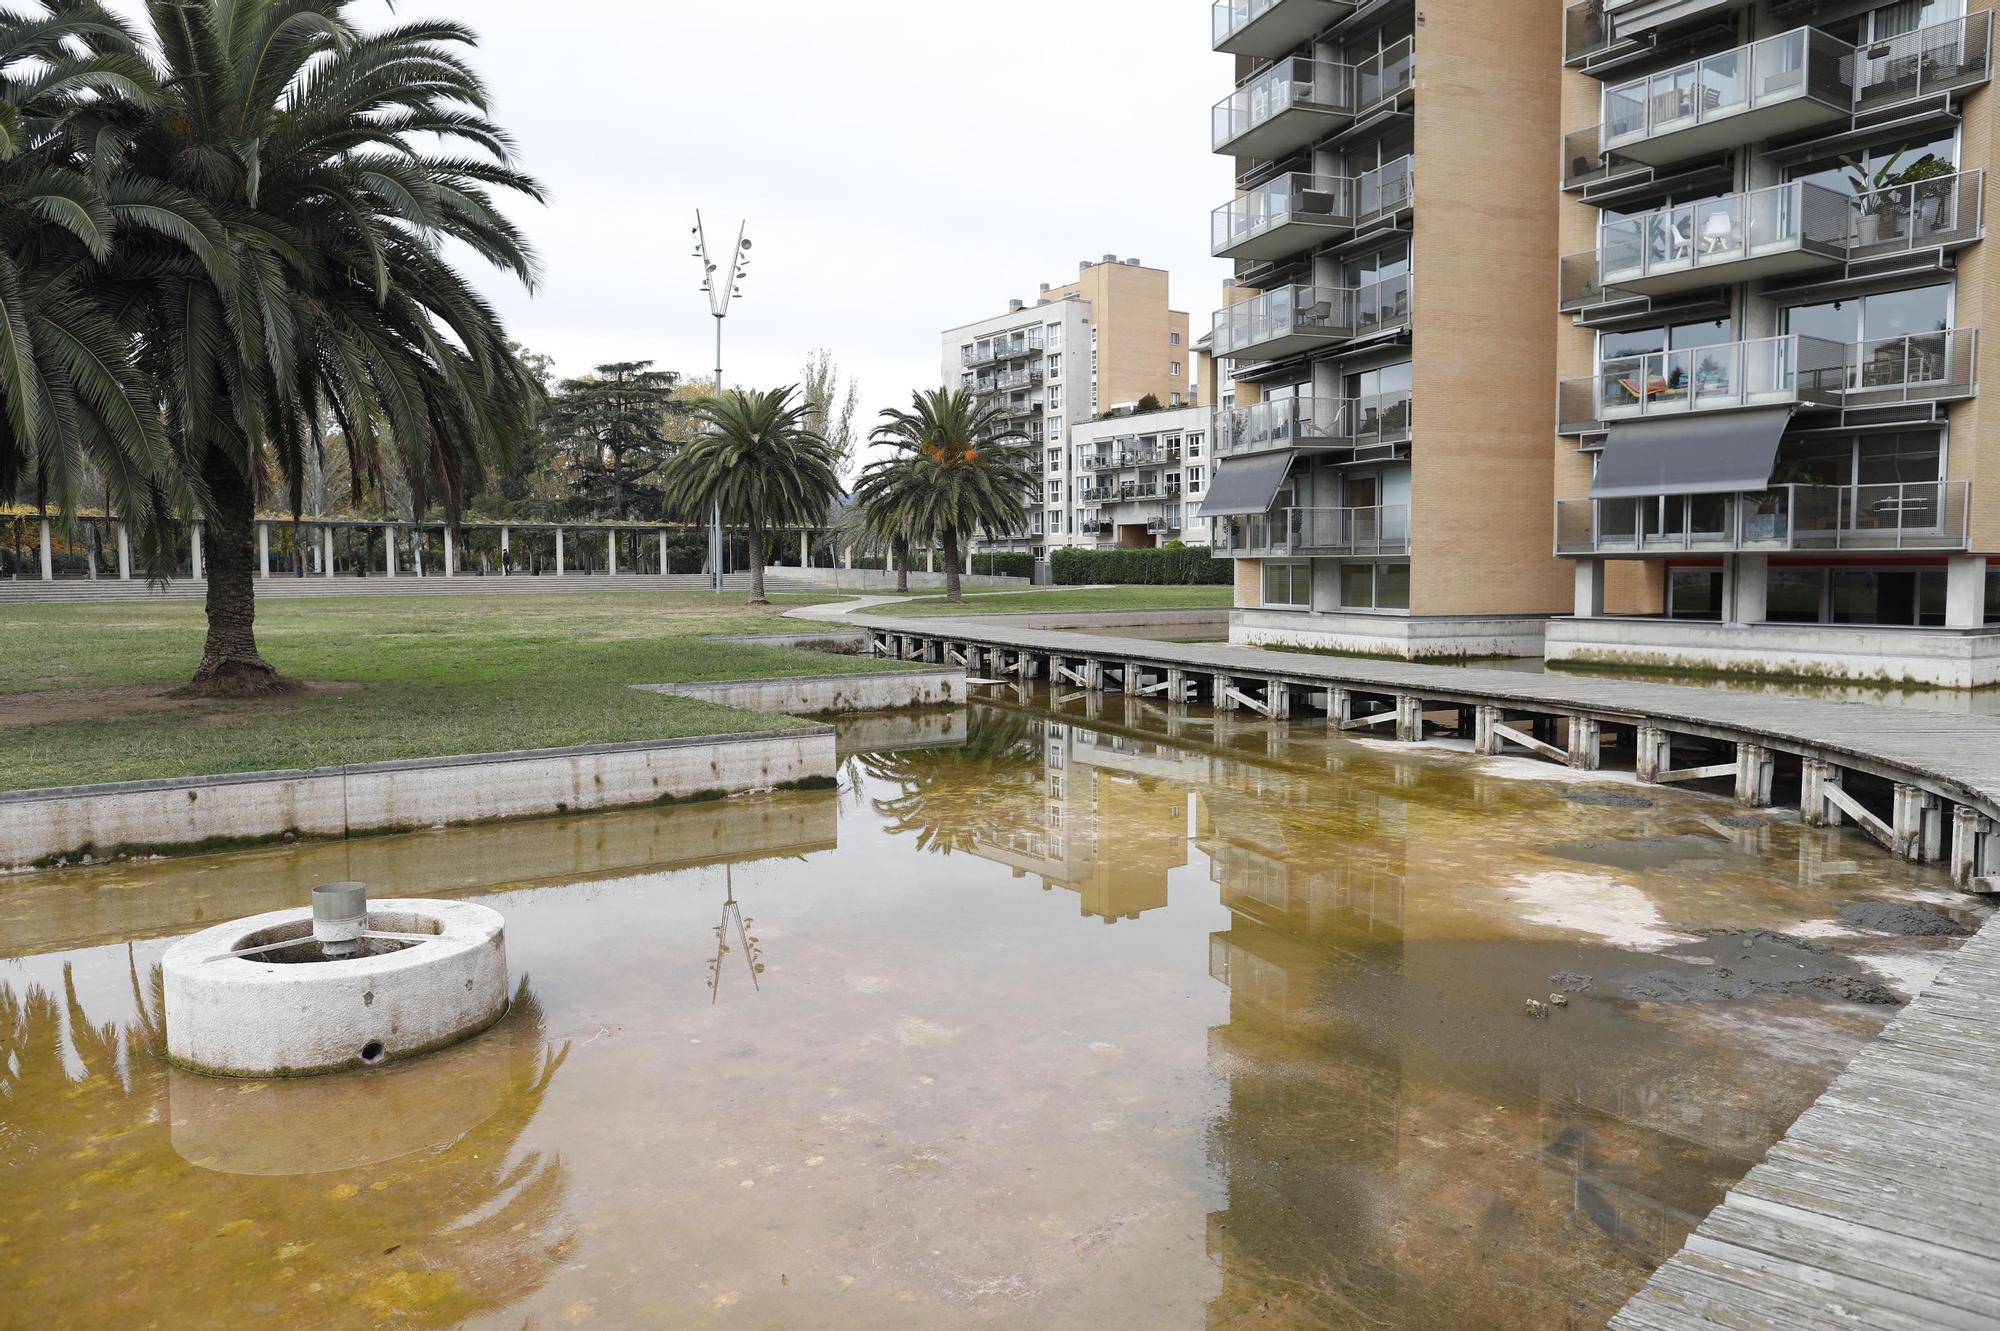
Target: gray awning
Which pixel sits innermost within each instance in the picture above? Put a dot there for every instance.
(1247, 484)
(1696, 454)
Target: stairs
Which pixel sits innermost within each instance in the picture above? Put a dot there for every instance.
(110, 591)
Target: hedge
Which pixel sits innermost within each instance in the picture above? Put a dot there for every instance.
(1013, 564)
(1189, 566)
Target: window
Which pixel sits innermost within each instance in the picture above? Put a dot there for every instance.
(1287, 586)
(1859, 172)
(1055, 492)
(1694, 593)
(1174, 400)
(1174, 338)
(1055, 427)
(1888, 314)
(1375, 586)
(1055, 397)
(1055, 366)
(1194, 478)
(1053, 336)
(1194, 445)
(1993, 595)
(1055, 459)
(1174, 368)
(1887, 596)
(1793, 595)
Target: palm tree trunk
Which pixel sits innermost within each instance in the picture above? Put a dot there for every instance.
(230, 664)
(899, 555)
(757, 565)
(952, 590)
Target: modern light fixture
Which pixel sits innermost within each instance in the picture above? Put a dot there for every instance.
(719, 295)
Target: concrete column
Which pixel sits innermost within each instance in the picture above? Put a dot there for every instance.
(194, 545)
(1917, 825)
(1971, 844)
(611, 553)
(1814, 779)
(1589, 588)
(450, 554)
(1965, 592)
(1756, 769)
(1176, 685)
(264, 550)
(1409, 719)
(124, 553)
(327, 534)
(48, 554)
(805, 549)
(930, 559)
(1654, 752)
(1746, 589)
(847, 558)
(1486, 730)
(388, 551)
(506, 548)
(559, 552)
(663, 554)
(1586, 743)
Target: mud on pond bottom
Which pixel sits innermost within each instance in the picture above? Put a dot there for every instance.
(1039, 1021)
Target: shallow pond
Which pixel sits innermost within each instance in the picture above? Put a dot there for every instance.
(1044, 1019)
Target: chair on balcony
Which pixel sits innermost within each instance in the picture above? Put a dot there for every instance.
(1718, 236)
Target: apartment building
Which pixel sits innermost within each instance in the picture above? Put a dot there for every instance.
(1139, 480)
(1382, 476)
(1772, 451)
(1101, 342)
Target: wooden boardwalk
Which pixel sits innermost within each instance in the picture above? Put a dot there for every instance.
(1880, 1208)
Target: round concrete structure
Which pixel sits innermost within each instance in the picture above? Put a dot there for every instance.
(287, 1012)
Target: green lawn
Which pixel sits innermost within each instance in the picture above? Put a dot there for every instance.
(417, 677)
(1070, 598)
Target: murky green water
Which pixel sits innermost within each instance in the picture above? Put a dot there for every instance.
(1132, 1022)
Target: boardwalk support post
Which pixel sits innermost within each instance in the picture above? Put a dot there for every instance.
(1756, 770)
(1486, 731)
(1409, 719)
(1586, 743)
(1815, 779)
(1339, 707)
(1655, 750)
(1917, 826)
(1973, 850)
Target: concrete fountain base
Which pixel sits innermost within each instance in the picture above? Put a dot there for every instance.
(290, 1013)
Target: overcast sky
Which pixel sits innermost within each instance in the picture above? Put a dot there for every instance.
(906, 165)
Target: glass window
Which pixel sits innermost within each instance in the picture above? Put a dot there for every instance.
(1392, 587)
(1357, 586)
(1887, 314)
(1695, 593)
(1884, 162)
(1993, 595)
(1889, 596)
(1900, 459)
(1287, 585)
(1815, 462)
(1793, 595)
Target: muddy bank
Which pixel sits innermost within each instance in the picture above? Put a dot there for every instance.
(1734, 964)
(1895, 917)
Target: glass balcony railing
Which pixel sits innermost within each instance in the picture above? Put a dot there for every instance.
(1775, 86)
(1289, 105)
(1788, 228)
(1920, 515)
(1586, 163)
(1772, 371)
(1016, 381)
(1294, 212)
(1380, 530)
(986, 353)
(1289, 320)
(1272, 27)
(1586, 31)
(1333, 423)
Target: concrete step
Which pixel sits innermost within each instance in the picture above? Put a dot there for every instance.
(74, 591)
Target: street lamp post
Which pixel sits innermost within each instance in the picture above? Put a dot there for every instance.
(720, 293)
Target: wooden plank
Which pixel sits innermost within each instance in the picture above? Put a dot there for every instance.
(1696, 774)
(1852, 807)
(1363, 722)
(1526, 741)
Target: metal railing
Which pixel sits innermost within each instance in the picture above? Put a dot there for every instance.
(1942, 57)
(1914, 515)
(1802, 63)
(1914, 367)
(1378, 530)
(1767, 371)
(1313, 201)
(1586, 30)
(1328, 313)
(1230, 17)
(988, 352)
(1319, 85)
(1585, 162)
(1015, 380)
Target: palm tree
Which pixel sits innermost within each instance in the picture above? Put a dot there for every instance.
(337, 161)
(880, 498)
(759, 464)
(957, 467)
(71, 404)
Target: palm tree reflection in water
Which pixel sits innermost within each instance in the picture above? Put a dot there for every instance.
(88, 1162)
(952, 799)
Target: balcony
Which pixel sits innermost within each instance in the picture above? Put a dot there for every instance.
(1776, 86)
(986, 353)
(1022, 410)
(1295, 212)
(1586, 31)
(1299, 101)
(1917, 516)
(1270, 28)
(1586, 163)
(1313, 424)
(1015, 381)
(1381, 530)
(1291, 320)
(1799, 227)
(1781, 371)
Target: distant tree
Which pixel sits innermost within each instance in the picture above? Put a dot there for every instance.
(885, 501)
(829, 410)
(608, 432)
(957, 467)
(1148, 403)
(759, 464)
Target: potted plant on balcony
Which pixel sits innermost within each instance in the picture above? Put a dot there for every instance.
(1880, 202)
(1932, 188)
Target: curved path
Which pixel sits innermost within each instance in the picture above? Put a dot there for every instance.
(1880, 1208)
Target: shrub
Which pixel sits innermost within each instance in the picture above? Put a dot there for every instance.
(1005, 564)
(1189, 566)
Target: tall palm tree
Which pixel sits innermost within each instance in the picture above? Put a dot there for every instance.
(71, 403)
(759, 464)
(337, 161)
(957, 467)
(881, 498)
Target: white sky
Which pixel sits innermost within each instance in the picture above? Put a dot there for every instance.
(906, 165)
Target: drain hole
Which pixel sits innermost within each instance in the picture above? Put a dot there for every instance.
(371, 1052)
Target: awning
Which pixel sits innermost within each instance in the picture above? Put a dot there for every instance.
(1695, 454)
(1246, 485)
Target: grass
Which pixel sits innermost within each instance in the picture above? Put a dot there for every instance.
(418, 677)
(1074, 598)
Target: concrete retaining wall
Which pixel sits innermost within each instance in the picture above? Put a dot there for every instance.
(1192, 618)
(817, 695)
(334, 801)
(1959, 660)
(1393, 636)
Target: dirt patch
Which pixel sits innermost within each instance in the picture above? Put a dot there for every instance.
(1890, 917)
(1734, 964)
(1680, 854)
(1608, 799)
(132, 700)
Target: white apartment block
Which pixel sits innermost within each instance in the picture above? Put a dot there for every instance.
(1132, 481)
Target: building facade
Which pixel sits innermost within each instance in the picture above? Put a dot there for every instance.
(1098, 344)
(1383, 475)
(1134, 482)
(1773, 454)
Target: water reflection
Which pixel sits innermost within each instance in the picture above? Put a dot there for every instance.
(426, 1209)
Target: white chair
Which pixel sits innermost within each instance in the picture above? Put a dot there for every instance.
(1718, 235)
